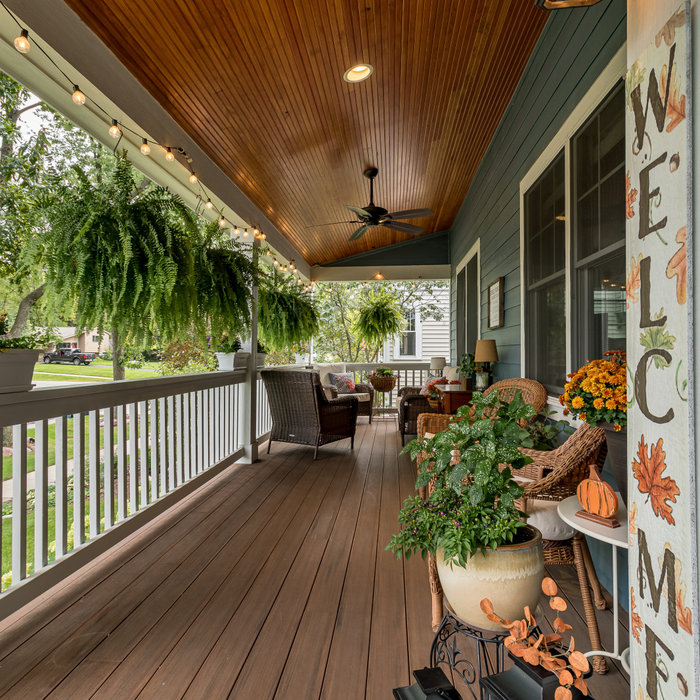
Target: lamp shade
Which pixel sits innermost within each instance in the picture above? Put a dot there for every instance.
(486, 351)
(437, 363)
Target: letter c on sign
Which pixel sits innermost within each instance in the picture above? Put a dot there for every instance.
(640, 385)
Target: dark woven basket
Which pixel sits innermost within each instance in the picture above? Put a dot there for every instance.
(382, 383)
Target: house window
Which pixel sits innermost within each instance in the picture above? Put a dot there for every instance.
(95, 338)
(408, 340)
(545, 255)
(592, 161)
(598, 193)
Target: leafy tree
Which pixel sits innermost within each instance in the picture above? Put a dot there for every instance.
(339, 305)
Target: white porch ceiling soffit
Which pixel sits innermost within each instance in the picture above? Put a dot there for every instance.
(101, 76)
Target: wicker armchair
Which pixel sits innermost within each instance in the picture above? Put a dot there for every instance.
(302, 414)
(364, 407)
(411, 405)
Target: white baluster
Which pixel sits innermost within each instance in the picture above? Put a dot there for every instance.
(61, 511)
(163, 445)
(19, 502)
(186, 463)
(41, 494)
(121, 463)
(133, 430)
(143, 453)
(78, 479)
(171, 444)
(108, 431)
(153, 432)
(94, 471)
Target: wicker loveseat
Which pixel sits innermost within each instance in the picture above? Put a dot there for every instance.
(301, 412)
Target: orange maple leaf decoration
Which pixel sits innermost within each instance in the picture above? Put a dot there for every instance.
(677, 266)
(675, 111)
(630, 196)
(683, 614)
(637, 623)
(648, 471)
(633, 280)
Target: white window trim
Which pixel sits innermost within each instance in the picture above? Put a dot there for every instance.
(606, 81)
(419, 341)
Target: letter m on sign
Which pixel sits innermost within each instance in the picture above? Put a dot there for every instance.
(668, 572)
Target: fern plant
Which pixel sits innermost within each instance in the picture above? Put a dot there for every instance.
(287, 315)
(379, 319)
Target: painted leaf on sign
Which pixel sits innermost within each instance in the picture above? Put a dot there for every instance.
(648, 470)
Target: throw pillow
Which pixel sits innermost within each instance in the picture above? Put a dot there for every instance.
(344, 383)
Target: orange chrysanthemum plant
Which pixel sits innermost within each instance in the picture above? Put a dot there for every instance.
(546, 650)
(597, 392)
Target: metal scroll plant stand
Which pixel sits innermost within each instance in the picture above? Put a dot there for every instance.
(489, 651)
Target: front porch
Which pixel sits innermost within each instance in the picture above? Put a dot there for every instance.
(271, 580)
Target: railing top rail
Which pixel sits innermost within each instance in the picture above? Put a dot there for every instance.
(38, 404)
(391, 365)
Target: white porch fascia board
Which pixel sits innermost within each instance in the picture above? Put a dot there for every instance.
(83, 56)
(366, 273)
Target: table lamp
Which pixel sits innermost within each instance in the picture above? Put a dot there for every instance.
(484, 355)
(437, 364)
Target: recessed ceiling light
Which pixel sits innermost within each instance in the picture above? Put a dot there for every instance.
(358, 73)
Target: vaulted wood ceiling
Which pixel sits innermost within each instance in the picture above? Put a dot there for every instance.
(259, 85)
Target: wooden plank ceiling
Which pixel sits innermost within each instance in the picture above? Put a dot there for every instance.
(259, 85)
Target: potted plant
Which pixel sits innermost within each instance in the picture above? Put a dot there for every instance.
(470, 522)
(557, 670)
(466, 370)
(261, 355)
(287, 315)
(432, 394)
(228, 355)
(17, 358)
(383, 379)
(597, 394)
(377, 320)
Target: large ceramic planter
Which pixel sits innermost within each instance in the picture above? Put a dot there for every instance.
(617, 456)
(16, 369)
(509, 577)
(229, 361)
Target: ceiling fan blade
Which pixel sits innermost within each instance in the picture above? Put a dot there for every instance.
(404, 228)
(362, 213)
(410, 214)
(331, 223)
(358, 233)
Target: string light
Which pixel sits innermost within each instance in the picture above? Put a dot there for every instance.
(236, 231)
(245, 233)
(264, 236)
(276, 262)
(78, 96)
(256, 232)
(169, 155)
(299, 281)
(145, 148)
(193, 178)
(22, 42)
(222, 221)
(114, 130)
(268, 252)
(209, 204)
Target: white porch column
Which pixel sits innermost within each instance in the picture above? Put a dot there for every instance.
(248, 406)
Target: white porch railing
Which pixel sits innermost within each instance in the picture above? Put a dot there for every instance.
(87, 458)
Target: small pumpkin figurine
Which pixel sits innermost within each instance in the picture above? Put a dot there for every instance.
(596, 496)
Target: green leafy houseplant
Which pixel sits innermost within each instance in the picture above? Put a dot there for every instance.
(383, 372)
(544, 433)
(379, 319)
(286, 314)
(37, 340)
(466, 365)
(472, 507)
(227, 343)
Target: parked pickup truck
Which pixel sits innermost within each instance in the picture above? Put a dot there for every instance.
(69, 356)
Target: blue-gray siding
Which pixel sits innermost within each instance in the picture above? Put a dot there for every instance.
(574, 48)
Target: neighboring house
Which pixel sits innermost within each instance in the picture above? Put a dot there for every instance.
(423, 338)
(89, 340)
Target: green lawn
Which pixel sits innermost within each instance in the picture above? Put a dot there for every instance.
(99, 369)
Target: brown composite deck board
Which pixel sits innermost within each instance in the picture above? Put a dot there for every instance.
(271, 581)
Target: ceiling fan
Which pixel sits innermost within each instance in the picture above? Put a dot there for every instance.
(371, 215)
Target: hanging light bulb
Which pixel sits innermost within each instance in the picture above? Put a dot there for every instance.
(268, 252)
(78, 96)
(145, 148)
(114, 130)
(299, 281)
(222, 221)
(256, 232)
(236, 231)
(245, 233)
(193, 178)
(169, 155)
(276, 262)
(283, 268)
(263, 236)
(22, 42)
(209, 204)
